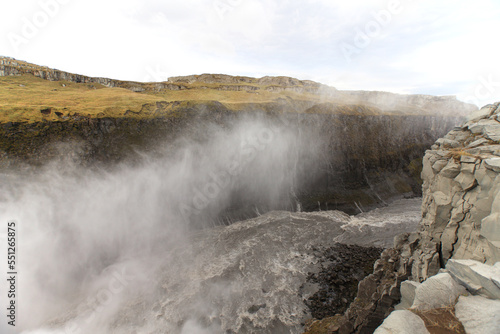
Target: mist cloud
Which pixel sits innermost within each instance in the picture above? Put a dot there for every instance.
(89, 238)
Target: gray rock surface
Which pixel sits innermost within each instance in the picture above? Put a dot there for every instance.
(407, 294)
(461, 198)
(402, 322)
(479, 315)
(477, 277)
(482, 113)
(460, 228)
(437, 291)
(493, 164)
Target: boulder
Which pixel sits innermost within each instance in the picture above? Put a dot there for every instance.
(484, 176)
(447, 142)
(403, 321)
(478, 315)
(437, 291)
(439, 165)
(477, 277)
(484, 112)
(490, 228)
(407, 294)
(482, 126)
(493, 132)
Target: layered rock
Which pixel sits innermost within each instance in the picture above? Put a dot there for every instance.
(363, 161)
(461, 204)
(466, 291)
(459, 231)
(460, 227)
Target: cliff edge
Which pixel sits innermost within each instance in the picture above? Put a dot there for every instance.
(446, 276)
(461, 204)
(71, 93)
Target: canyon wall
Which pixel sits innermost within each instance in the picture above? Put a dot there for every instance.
(363, 162)
(450, 265)
(461, 204)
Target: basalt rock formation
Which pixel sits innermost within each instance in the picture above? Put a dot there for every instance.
(451, 263)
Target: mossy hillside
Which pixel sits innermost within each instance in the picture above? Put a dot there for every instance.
(30, 99)
(27, 98)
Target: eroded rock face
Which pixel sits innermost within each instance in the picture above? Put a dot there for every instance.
(460, 221)
(461, 203)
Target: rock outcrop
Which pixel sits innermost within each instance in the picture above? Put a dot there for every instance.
(456, 252)
(451, 263)
(461, 204)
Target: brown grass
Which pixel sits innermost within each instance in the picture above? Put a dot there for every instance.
(457, 153)
(441, 320)
(23, 97)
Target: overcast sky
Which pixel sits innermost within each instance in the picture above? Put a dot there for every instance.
(438, 47)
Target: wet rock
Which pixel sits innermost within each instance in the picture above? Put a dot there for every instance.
(377, 295)
(342, 267)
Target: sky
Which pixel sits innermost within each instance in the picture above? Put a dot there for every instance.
(437, 47)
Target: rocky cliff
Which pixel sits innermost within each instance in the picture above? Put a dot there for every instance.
(446, 274)
(385, 101)
(365, 160)
(461, 204)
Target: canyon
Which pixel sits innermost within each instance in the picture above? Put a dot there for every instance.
(248, 205)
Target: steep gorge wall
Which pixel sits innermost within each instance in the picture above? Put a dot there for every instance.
(460, 221)
(364, 160)
(461, 204)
